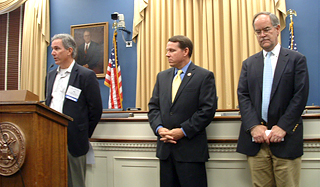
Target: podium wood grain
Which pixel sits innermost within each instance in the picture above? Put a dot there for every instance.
(45, 132)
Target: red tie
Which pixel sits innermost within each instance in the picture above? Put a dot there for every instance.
(85, 51)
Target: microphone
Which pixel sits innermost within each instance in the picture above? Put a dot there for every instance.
(47, 79)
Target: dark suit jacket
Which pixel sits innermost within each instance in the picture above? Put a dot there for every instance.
(288, 99)
(86, 112)
(93, 56)
(193, 109)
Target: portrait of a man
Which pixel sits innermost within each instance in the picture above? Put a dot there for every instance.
(89, 53)
(91, 48)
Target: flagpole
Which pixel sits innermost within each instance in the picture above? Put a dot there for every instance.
(119, 95)
(113, 76)
(292, 44)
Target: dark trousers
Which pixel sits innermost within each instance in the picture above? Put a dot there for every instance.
(182, 174)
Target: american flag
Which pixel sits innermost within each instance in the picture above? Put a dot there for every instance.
(292, 42)
(113, 77)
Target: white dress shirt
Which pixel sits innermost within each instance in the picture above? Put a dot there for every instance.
(60, 87)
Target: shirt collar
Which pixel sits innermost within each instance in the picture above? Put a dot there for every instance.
(69, 69)
(275, 51)
(184, 69)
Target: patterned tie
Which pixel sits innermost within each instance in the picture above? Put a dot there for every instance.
(85, 51)
(267, 85)
(176, 83)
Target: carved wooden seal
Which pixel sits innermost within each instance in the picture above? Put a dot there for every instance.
(12, 148)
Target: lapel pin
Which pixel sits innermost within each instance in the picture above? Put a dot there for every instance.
(189, 74)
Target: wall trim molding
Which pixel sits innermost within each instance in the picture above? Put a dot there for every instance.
(151, 146)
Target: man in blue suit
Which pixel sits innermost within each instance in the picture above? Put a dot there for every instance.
(74, 90)
(271, 133)
(180, 120)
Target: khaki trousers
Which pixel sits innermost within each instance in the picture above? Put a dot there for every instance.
(268, 170)
(76, 171)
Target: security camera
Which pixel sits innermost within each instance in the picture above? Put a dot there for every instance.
(114, 16)
(121, 17)
(121, 23)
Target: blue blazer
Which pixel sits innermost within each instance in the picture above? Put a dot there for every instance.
(289, 96)
(193, 109)
(86, 112)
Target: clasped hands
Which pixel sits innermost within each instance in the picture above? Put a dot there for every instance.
(170, 136)
(276, 135)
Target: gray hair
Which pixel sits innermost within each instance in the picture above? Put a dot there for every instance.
(274, 19)
(67, 42)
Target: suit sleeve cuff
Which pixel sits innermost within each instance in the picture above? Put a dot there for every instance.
(160, 126)
(184, 132)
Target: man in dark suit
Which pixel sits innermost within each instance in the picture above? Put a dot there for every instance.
(90, 54)
(180, 121)
(74, 90)
(272, 92)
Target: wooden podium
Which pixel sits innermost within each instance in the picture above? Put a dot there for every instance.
(45, 134)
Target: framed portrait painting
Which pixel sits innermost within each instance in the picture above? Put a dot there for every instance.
(92, 46)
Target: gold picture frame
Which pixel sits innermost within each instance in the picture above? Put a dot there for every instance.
(94, 57)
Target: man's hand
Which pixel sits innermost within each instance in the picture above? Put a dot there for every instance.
(170, 136)
(277, 134)
(164, 134)
(177, 134)
(259, 135)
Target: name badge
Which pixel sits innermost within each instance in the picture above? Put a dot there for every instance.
(73, 93)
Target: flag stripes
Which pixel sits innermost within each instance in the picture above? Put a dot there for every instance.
(113, 77)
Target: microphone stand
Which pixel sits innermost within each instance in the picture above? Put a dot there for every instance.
(47, 79)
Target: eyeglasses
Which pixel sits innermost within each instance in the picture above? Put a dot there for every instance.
(264, 30)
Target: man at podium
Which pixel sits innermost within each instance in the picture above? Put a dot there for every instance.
(74, 90)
